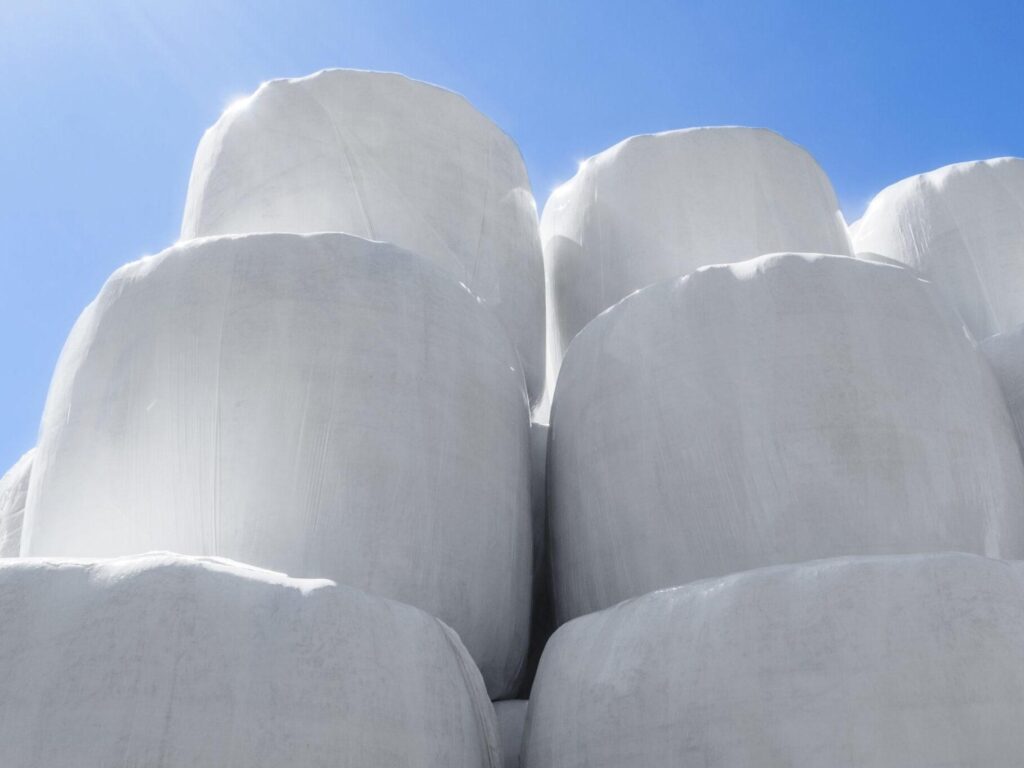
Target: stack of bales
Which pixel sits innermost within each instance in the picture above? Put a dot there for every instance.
(329, 376)
(712, 417)
(332, 376)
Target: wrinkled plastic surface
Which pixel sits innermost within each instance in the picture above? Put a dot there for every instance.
(962, 226)
(511, 716)
(179, 661)
(13, 492)
(659, 206)
(783, 409)
(320, 405)
(1005, 352)
(387, 158)
(880, 662)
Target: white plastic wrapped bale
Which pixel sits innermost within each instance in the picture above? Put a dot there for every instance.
(180, 661)
(656, 207)
(13, 492)
(878, 662)
(1005, 352)
(963, 227)
(321, 405)
(779, 410)
(387, 158)
(511, 720)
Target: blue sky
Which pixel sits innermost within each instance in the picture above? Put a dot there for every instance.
(104, 101)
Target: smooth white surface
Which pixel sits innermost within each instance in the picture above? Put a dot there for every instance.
(783, 409)
(387, 158)
(511, 720)
(886, 662)
(13, 492)
(164, 660)
(963, 227)
(656, 207)
(320, 405)
(1005, 352)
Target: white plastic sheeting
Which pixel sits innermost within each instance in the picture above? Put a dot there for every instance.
(656, 207)
(783, 409)
(963, 227)
(321, 405)
(878, 662)
(13, 492)
(511, 716)
(179, 661)
(387, 158)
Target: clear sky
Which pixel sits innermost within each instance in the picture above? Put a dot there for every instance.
(104, 101)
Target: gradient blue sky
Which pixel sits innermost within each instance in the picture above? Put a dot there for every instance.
(104, 101)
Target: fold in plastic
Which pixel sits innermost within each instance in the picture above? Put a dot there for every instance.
(511, 716)
(1005, 353)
